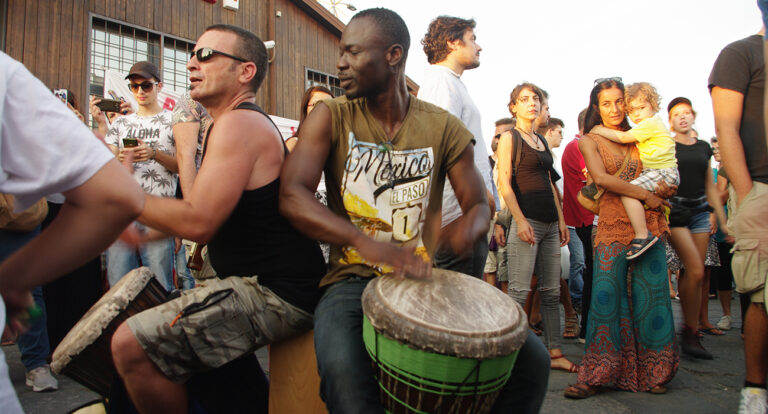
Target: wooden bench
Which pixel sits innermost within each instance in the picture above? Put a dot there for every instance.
(294, 386)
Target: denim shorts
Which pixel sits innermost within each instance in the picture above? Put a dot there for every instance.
(699, 223)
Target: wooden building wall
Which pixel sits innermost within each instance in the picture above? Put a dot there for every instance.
(51, 37)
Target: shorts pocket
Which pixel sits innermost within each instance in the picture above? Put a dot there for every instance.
(221, 332)
(749, 265)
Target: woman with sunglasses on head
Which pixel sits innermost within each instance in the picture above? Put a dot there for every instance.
(311, 96)
(537, 229)
(630, 338)
(692, 222)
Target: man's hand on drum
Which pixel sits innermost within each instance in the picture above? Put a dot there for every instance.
(17, 306)
(403, 259)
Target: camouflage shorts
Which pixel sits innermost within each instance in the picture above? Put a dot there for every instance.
(222, 321)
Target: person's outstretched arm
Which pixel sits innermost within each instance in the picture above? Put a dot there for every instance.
(91, 218)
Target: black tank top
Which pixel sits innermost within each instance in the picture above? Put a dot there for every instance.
(255, 240)
(532, 185)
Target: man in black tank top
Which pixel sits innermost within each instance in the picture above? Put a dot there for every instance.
(386, 156)
(233, 206)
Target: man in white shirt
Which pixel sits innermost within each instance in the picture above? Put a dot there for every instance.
(45, 149)
(451, 48)
(148, 135)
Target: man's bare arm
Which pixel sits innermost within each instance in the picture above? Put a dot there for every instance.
(727, 106)
(185, 134)
(219, 183)
(471, 194)
(91, 218)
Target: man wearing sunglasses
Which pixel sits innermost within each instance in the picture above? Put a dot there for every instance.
(148, 136)
(268, 273)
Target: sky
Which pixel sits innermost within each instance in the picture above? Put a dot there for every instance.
(564, 45)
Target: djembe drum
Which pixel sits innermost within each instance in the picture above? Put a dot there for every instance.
(445, 344)
(84, 354)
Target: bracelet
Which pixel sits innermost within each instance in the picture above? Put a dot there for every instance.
(154, 153)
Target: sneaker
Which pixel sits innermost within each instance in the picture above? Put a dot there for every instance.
(753, 401)
(41, 379)
(691, 344)
(725, 323)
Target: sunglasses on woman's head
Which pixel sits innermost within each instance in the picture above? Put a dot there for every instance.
(146, 86)
(206, 53)
(613, 79)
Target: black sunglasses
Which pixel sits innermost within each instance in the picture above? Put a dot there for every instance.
(206, 53)
(146, 86)
(612, 79)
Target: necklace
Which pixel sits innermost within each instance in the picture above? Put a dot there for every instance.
(531, 137)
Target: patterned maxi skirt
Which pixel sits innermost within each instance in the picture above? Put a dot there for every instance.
(630, 332)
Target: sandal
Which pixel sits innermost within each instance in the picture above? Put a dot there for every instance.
(571, 329)
(581, 391)
(639, 246)
(712, 331)
(573, 368)
(659, 389)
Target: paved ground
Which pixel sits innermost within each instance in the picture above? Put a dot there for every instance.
(700, 387)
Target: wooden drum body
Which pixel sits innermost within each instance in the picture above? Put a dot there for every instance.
(446, 344)
(84, 354)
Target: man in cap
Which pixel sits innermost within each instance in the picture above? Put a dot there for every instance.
(148, 135)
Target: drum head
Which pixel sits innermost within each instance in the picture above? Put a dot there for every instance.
(102, 313)
(449, 313)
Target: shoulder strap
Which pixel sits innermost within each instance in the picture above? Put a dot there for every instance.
(517, 151)
(252, 107)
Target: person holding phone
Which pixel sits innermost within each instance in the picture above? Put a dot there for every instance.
(148, 135)
(103, 117)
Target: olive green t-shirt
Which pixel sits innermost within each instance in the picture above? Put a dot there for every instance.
(387, 187)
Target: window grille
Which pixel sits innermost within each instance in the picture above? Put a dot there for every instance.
(316, 78)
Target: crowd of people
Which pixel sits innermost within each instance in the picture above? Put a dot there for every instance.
(213, 194)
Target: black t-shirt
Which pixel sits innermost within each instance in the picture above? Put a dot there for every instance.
(693, 165)
(533, 183)
(741, 68)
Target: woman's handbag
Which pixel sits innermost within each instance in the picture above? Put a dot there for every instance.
(589, 196)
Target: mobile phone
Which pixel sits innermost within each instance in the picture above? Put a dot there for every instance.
(109, 105)
(61, 94)
(130, 142)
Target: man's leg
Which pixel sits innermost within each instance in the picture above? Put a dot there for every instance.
(154, 352)
(143, 378)
(576, 273)
(347, 379)
(585, 235)
(35, 350)
(186, 281)
(159, 257)
(121, 259)
(756, 343)
(526, 388)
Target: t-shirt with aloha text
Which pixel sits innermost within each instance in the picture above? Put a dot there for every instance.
(391, 189)
(155, 131)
